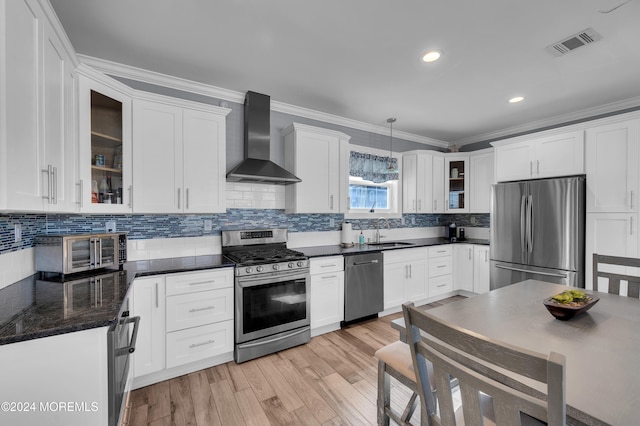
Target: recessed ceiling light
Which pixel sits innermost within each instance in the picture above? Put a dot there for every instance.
(432, 55)
(516, 99)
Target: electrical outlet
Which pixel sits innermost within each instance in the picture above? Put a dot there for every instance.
(17, 233)
(208, 225)
(332, 222)
(402, 221)
(413, 220)
(473, 220)
(110, 226)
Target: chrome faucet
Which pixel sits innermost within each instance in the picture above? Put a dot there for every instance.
(378, 236)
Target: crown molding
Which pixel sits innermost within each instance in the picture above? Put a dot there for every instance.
(557, 121)
(152, 77)
(58, 29)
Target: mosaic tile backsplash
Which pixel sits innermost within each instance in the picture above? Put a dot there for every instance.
(141, 227)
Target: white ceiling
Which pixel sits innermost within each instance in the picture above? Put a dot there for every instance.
(360, 59)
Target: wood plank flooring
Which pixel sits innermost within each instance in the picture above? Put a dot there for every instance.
(332, 380)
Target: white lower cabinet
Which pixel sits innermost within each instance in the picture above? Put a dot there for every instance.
(471, 268)
(481, 268)
(149, 305)
(405, 276)
(440, 270)
(185, 318)
(614, 234)
(327, 292)
(463, 267)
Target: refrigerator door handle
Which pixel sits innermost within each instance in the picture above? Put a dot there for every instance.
(548, 274)
(523, 209)
(530, 223)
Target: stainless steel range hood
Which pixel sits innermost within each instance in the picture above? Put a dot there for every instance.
(256, 166)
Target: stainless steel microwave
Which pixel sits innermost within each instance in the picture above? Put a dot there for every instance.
(67, 254)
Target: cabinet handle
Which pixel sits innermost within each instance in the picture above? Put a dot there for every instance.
(419, 205)
(413, 205)
(435, 205)
(538, 167)
(130, 196)
(328, 266)
(178, 198)
(329, 277)
(157, 305)
(48, 172)
(631, 201)
(442, 285)
(486, 256)
(54, 184)
(442, 266)
(187, 201)
(406, 271)
(206, 308)
(410, 271)
(202, 282)
(80, 201)
(470, 253)
(195, 345)
(530, 168)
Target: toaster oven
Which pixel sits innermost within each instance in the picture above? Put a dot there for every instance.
(68, 254)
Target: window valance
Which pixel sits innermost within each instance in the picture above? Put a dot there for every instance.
(371, 167)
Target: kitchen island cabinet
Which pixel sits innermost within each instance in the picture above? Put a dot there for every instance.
(179, 160)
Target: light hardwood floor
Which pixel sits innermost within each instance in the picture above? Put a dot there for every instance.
(329, 381)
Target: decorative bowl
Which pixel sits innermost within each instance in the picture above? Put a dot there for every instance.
(565, 312)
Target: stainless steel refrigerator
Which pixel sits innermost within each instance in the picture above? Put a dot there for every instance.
(537, 231)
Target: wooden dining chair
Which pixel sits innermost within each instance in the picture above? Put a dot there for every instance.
(482, 366)
(633, 282)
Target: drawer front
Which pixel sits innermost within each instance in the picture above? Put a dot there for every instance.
(195, 309)
(405, 255)
(199, 343)
(199, 281)
(440, 251)
(440, 266)
(323, 265)
(440, 285)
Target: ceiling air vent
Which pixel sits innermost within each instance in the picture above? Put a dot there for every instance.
(573, 42)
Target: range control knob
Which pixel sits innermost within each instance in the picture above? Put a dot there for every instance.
(249, 270)
(276, 267)
(259, 269)
(291, 265)
(300, 264)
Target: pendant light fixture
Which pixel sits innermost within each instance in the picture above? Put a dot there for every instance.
(391, 168)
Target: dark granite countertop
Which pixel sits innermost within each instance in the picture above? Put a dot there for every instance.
(335, 250)
(41, 306)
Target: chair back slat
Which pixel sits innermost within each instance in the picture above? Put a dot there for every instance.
(614, 279)
(436, 340)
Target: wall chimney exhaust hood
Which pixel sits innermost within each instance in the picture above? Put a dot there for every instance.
(256, 166)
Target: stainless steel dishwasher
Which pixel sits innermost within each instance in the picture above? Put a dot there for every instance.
(363, 287)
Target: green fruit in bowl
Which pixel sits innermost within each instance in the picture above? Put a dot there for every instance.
(570, 296)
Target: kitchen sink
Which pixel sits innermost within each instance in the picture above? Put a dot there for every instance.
(391, 244)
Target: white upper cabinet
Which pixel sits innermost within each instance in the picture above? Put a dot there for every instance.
(438, 204)
(36, 112)
(540, 157)
(456, 183)
(104, 154)
(313, 155)
(612, 167)
(481, 170)
(178, 156)
(422, 183)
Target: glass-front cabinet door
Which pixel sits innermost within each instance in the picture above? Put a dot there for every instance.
(105, 146)
(456, 183)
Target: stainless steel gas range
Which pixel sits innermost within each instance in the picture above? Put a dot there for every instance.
(271, 292)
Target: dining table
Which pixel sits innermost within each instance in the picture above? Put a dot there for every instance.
(601, 346)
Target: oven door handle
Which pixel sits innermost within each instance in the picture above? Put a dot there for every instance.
(274, 277)
(275, 339)
(134, 337)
